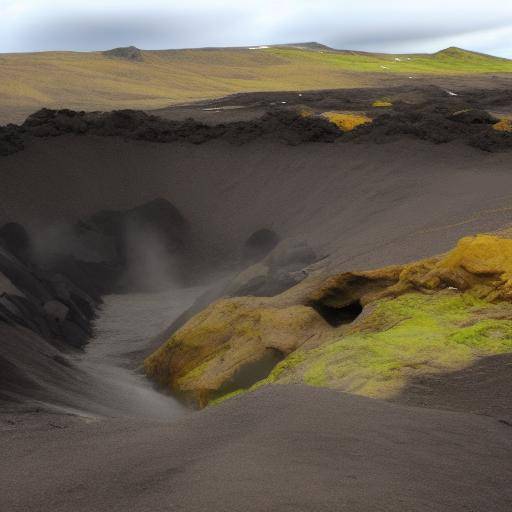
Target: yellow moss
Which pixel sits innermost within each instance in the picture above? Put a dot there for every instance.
(505, 125)
(208, 351)
(347, 121)
(382, 104)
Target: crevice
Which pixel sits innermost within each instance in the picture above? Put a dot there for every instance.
(336, 316)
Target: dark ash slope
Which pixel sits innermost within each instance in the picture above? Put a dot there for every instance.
(281, 449)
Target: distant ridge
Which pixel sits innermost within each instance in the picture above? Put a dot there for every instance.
(456, 52)
(306, 46)
(127, 53)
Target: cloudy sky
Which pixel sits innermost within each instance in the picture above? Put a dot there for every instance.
(373, 25)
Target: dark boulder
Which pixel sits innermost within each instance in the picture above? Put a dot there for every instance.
(14, 238)
(131, 53)
(281, 269)
(258, 245)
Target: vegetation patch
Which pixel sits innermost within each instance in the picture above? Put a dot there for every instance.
(505, 125)
(434, 315)
(382, 104)
(154, 79)
(401, 338)
(347, 121)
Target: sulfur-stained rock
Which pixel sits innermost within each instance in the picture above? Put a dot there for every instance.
(480, 264)
(212, 347)
(336, 329)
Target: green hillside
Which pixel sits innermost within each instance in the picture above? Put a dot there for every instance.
(153, 79)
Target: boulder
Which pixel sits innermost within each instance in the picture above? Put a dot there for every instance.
(258, 245)
(281, 269)
(14, 238)
(56, 311)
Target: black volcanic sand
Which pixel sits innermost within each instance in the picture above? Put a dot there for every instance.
(279, 449)
(362, 205)
(359, 203)
(483, 388)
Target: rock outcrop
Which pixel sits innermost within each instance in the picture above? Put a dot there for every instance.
(131, 53)
(378, 320)
(279, 270)
(286, 126)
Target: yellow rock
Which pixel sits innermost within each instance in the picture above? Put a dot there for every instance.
(480, 264)
(505, 125)
(214, 345)
(347, 121)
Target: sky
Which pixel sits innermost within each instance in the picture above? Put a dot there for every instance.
(370, 25)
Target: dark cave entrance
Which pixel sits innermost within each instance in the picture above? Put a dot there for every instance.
(335, 316)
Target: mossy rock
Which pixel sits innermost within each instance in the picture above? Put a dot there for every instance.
(400, 339)
(208, 351)
(436, 314)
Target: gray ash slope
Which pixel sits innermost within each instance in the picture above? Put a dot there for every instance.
(281, 448)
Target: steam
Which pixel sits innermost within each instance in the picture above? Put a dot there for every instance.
(150, 264)
(52, 241)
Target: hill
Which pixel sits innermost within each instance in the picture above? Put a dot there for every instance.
(133, 78)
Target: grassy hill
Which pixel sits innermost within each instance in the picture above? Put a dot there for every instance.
(153, 79)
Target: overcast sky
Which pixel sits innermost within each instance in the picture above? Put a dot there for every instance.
(373, 25)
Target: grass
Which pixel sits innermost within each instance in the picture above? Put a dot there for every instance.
(92, 81)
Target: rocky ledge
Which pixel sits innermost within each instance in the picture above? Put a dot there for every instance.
(363, 115)
(368, 333)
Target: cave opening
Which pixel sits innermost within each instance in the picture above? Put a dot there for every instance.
(336, 316)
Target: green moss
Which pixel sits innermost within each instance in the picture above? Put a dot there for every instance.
(402, 337)
(490, 335)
